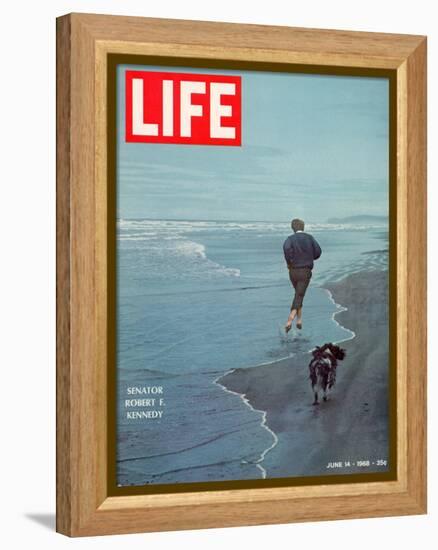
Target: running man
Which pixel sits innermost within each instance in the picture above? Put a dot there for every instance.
(300, 250)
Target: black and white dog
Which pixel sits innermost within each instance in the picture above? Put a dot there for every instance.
(322, 368)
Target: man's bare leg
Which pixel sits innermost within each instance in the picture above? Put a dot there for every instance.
(290, 319)
(300, 317)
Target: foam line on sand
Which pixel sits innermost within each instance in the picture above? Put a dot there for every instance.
(263, 424)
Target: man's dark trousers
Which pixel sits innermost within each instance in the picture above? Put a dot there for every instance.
(300, 279)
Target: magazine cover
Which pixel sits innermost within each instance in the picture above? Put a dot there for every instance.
(252, 252)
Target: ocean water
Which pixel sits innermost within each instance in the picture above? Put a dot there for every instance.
(196, 299)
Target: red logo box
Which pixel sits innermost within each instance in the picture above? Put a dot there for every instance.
(185, 108)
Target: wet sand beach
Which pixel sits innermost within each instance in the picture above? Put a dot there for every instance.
(353, 425)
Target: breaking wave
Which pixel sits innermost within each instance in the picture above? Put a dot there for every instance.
(150, 227)
(168, 251)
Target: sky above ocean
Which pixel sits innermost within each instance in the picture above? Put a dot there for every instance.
(313, 147)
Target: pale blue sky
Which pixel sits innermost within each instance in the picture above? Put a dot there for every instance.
(313, 147)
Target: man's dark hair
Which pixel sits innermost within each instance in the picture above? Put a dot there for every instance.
(297, 225)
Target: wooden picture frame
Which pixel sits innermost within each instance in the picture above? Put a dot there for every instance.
(84, 505)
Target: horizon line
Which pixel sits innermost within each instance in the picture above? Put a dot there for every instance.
(118, 218)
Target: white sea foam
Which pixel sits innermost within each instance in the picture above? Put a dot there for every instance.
(339, 309)
(196, 251)
(162, 243)
(263, 424)
(263, 227)
(143, 236)
(190, 248)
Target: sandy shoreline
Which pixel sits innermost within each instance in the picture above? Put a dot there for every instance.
(352, 425)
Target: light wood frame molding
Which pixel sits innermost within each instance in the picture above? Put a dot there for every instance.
(83, 504)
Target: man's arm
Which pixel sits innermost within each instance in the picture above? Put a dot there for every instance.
(288, 252)
(316, 249)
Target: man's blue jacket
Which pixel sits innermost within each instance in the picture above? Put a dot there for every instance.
(300, 249)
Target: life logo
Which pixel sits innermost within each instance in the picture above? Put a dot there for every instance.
(184, 108)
